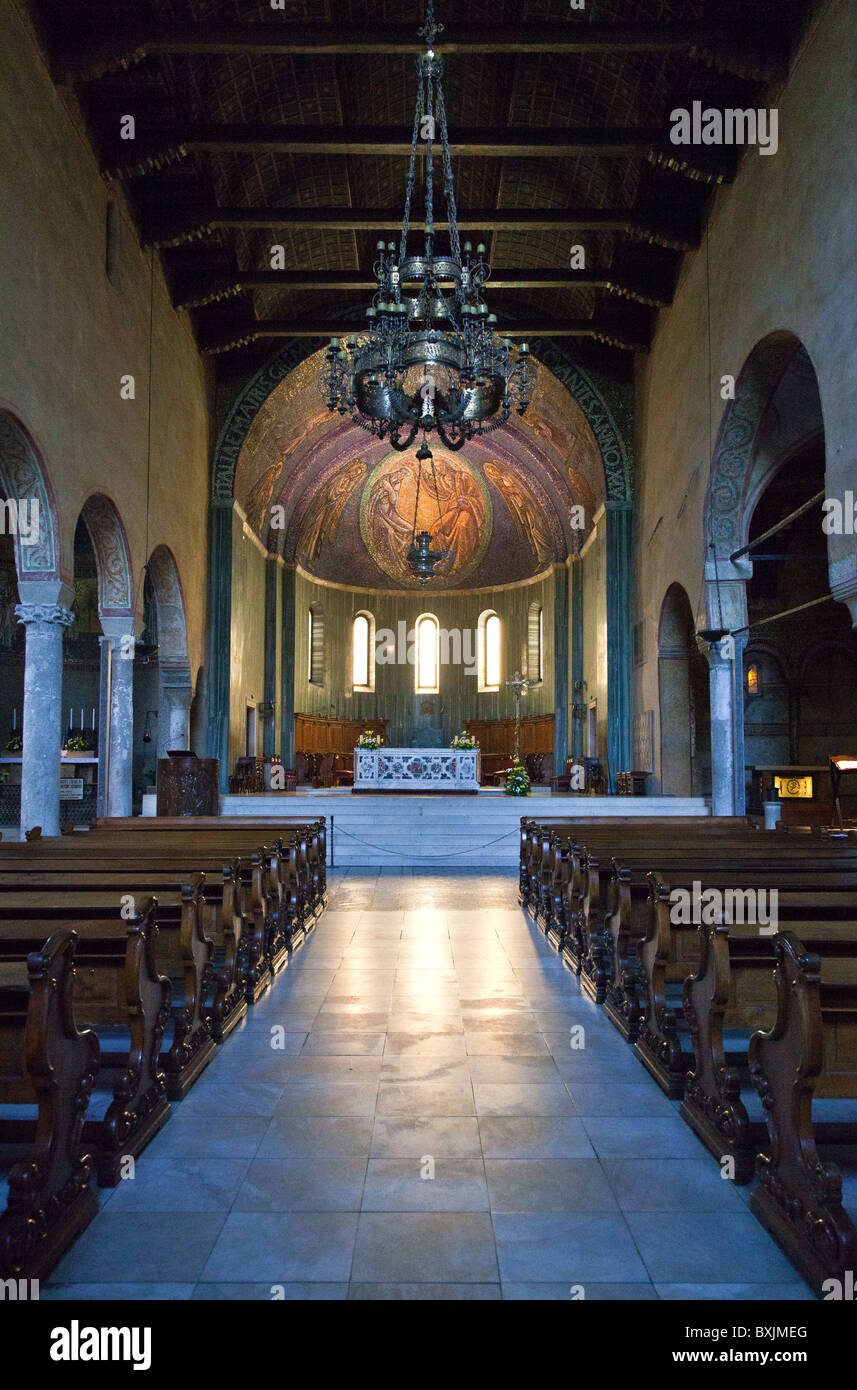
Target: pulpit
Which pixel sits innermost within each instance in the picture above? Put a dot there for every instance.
(188, 785)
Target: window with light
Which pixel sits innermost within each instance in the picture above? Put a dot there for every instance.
(427, 641)
(361, 652)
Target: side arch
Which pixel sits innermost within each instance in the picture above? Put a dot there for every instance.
(112, 556)
(24, 478)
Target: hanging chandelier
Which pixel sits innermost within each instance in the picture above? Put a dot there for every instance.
(421, 560)
(431, 359)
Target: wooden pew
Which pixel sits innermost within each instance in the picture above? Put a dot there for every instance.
(118, 991)
(294, 861)
(248, 874)
(669, 951)
(44, 1061)
(627, 915)
(183, 951)
(542, 876)
(222, 920)
(809, 1054)
(731, 995)
(313, 834)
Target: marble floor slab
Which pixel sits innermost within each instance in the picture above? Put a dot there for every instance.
(424, 1107)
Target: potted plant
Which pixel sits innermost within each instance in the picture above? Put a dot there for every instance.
(465, 741)
(14, 744)
(517, 780)
(369, 739)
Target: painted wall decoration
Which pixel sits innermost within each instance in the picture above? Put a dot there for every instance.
(111, 552)
(525, 512)
(454, 506)
(320, 521)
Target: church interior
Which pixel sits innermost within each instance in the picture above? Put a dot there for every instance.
(428, 651)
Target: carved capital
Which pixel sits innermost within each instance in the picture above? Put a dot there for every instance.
(43, 613)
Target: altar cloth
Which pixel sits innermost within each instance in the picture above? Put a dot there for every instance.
(416, 769)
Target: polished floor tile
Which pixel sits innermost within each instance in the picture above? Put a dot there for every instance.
(424, 1107)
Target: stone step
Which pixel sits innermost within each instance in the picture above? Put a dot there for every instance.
(410, 830)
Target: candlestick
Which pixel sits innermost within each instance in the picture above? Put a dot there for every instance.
(14, 718)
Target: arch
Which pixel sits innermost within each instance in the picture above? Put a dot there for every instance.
(535, 642)
(683, 698)
(426, 654)
(489, 649)
(738, 471)
(24, 478)
(112, 556)
(600, 401)
(315, 644)
(166, 585)
(363, 651)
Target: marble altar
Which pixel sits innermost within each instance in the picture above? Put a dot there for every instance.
(416, 769)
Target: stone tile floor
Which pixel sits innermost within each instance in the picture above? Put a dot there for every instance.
(403, 1117)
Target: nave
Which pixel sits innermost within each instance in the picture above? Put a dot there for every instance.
(426, 1023)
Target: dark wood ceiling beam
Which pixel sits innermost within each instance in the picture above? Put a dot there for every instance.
(95, 53)
(196, 290)
(628, 334)
(153, 150)
(674, 226)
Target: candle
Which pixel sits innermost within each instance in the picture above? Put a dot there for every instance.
(14, 718)
(81, 721)
(93, 718)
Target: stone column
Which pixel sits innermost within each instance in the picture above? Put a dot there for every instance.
(726, 607)
(117, 654)
(174, 702)
(41, 729)
(721, 684)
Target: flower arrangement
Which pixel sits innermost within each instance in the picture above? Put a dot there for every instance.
(369, 739)
(14, 744)
(465, 740)
(517, 780)
(77, 743)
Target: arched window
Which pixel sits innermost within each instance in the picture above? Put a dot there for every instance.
(753, 679)
(362, 661)
(535, 642)
(489, 646)
(427, 662)
(315, 644)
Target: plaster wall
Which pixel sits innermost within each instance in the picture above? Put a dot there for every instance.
(69, 335)
(782, 257)
(394, 697)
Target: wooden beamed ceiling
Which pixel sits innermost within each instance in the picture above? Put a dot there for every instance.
(255, 127)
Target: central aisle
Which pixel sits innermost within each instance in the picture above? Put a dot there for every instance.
(426, 1027)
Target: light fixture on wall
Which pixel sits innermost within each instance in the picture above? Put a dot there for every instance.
(431, 359)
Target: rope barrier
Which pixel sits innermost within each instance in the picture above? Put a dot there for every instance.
(473, 849)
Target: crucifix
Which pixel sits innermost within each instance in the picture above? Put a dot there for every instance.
(520, 687)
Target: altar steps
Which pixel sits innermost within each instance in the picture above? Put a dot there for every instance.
(441, 831)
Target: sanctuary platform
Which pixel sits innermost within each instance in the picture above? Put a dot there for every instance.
(437, 831)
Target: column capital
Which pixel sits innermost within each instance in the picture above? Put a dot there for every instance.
(115, 628)
(845, 591)
(44, 613)
(720, 653)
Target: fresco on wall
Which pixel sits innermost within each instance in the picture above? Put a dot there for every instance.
(320, 521)
(505, 500)
(526, 514)
(454, 507)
